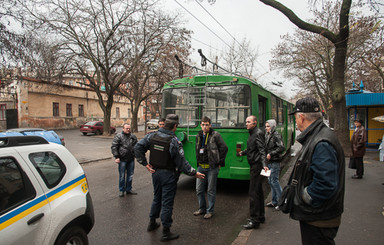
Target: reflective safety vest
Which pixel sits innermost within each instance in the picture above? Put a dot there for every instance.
(159, 156)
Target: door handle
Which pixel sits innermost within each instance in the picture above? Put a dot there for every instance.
(35, 219)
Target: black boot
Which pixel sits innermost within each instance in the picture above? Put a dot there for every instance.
(152, 225)
(168, 235)
(251, 225)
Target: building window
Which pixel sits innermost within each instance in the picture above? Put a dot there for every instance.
(81, 110)
(55, 109)
(69, 110)
(3, 108)
(129, 113)
(117, 112)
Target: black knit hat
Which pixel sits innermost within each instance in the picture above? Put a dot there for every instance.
(172, 118)
(307, 104)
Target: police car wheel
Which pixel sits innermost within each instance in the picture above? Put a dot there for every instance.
(74, 235)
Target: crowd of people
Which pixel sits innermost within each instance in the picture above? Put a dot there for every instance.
(318, 172)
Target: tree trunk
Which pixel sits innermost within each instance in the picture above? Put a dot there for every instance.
(107, 115)
(135, 112)
(338, 96)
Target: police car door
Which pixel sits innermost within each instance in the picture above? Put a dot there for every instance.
(24, 209)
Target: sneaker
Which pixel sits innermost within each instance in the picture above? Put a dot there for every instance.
(121, 193)
(276, 208)
(270, 205)
(208, 216)
(199, 212)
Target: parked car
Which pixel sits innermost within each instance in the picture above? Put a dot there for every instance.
(153, 123)
(49, 135)
(95, 127)
(44, 194)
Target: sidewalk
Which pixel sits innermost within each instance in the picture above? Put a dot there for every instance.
(362, 220)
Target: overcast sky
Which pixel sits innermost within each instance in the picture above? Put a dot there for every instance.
(260, 24)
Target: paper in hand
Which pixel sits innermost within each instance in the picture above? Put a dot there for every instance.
(265, 173)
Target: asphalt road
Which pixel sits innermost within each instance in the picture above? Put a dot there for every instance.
(123, 220)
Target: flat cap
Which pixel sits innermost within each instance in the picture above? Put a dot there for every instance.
(358, 120)
(307, 104)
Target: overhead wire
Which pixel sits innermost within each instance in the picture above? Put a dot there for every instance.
(202, 23)
(241, 45)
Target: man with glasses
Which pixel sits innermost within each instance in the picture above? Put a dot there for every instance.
(211, 151)
(320, 172)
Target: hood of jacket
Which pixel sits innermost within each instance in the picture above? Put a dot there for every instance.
(272, 124)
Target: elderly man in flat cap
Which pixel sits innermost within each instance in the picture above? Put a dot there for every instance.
(166, 161)
(358, 140)
(319, 172)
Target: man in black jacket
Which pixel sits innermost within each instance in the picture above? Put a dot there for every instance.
(122, 150)
(255, 153)
(211, 151)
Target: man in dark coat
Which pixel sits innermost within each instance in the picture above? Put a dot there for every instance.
(122, 150)
(255, 153)
(358, 141)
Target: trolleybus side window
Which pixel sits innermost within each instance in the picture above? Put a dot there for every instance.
(280, 112)
(274, 107)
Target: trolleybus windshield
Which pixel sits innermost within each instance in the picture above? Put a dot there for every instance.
(227, 106)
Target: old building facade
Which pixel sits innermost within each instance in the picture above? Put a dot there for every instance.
(29, 102)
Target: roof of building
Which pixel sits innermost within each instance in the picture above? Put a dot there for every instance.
(361, 97)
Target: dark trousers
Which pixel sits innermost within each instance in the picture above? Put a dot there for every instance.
(256, 195)
(312, 235)
(359, 166)
(164, 191)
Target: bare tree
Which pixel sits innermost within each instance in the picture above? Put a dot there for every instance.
(307, 57)
(158, 65)
(240, 58)
(99, 38)
(339, 39)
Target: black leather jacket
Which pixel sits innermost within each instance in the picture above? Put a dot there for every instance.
(275, 147)
(122, 146)
(333, 207)
(255, 151)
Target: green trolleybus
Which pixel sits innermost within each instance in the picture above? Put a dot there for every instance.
(227, 101)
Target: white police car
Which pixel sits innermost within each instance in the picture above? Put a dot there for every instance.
(44, 197)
